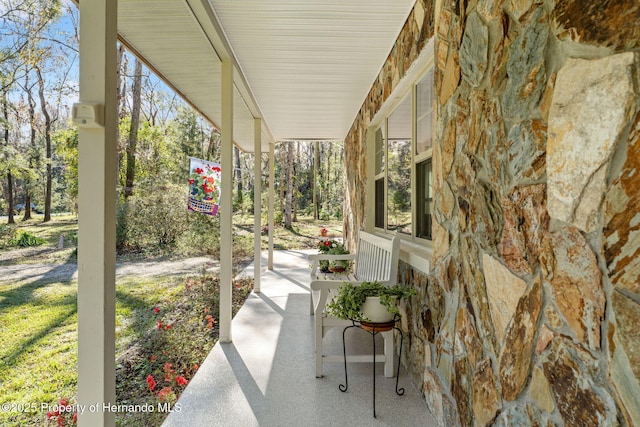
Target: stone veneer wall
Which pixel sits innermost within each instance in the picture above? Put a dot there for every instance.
(531, 312)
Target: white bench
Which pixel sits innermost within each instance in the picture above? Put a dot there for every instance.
(376, 259)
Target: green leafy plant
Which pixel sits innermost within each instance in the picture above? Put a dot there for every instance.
(347, 304)
(26, 239)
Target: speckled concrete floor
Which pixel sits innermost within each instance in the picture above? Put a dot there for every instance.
(266, 376)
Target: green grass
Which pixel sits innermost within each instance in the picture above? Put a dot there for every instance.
(38, 337)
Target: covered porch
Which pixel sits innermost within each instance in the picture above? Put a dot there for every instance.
(266, 375)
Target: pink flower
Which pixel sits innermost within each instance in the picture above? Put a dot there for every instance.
(75, 418)
(166, 328)
(180, 380)
(156, 310)
(63, 402)
(159, 324)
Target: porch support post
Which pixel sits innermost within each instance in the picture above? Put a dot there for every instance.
(257, 203)
(97, 164)
(226, 211)
(272, 179)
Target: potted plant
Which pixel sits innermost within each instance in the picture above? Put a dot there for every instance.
(339, 266)
(333, 247)
(354, 301)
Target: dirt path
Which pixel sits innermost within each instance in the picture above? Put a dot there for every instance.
(69, 271)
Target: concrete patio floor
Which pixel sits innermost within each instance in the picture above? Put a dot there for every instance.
(266, 376)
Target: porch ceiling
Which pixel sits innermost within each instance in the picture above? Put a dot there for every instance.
(304, 66)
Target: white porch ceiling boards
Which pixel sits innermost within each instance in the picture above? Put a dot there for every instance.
(310, 63)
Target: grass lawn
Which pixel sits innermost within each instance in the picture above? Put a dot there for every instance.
(165, 326)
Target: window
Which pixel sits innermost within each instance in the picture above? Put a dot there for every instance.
(403, 169)
(399, 168)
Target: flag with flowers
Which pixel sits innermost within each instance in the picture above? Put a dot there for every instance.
(204, 186)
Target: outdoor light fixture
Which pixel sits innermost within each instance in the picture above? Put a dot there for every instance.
(88, 115)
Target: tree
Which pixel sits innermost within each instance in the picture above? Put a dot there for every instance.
(133, 130)
(288, 207)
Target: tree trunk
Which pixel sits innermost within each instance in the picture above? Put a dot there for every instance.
(121, 96)
(289, 194)
(9, 195)
(238, 174)
(47, 139)
(133, 130)
(33, 160)
(296, 184)
(316, 162)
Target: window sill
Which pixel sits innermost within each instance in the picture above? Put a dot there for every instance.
(416, 253)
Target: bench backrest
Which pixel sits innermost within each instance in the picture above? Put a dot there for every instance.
(377, 258)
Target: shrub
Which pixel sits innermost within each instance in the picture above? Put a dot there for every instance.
(26, 239)
(153, 219)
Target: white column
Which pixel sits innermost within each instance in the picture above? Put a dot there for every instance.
(96, 214)
(226, 206)
(257, 202)
(272, 179)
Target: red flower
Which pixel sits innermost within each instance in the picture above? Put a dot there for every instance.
(156, 310)
(63, 402)
(162, 394)
(166, 328)
(159, 324)
(60, 421)
(75, 418)
(199, 170)
(50, 415)
(327, 243)
(180, 380)
(151, 382)
(195, 366)
(207, 189)
(153, 358)
(191, 181)
(216, 168)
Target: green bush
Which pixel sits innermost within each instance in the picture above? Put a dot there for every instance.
(152, 220)
(26, 239)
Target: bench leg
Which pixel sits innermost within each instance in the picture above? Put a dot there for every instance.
(389, 356)
(318, 345)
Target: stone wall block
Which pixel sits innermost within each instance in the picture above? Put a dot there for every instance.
(475, 289)
(467, 342)
(523, 416)
(525, 225)
(504, 290)
(622, 219)
(486, 396)
(438, 401)
(577, 285)
(605, 24)
(518, 8)
(592, 104)
(517, 352)
(627, 331)
(540, 391)
(526, 71)
(462, 391)
(474, 50)
(486, 217)
(526, 150)
(571, 371)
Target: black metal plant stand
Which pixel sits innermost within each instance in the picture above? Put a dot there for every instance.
(373, 329)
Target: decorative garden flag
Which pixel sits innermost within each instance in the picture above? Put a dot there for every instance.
(204, 186)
